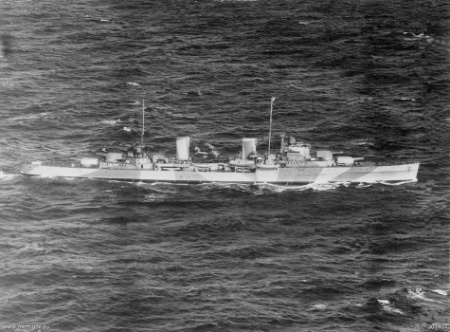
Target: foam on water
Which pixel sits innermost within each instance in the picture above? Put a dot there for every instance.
(110, 122)
(316, 186)
(418, 293)
(390, 308)
(440, 292)
(396, 183)
(30, 117)
(8, 176)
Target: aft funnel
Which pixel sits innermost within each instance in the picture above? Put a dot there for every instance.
(248, 147)
(183, 148)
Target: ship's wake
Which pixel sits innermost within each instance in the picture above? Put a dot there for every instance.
(396, 183)
(7, 176)
(261, 188)
(315, 186)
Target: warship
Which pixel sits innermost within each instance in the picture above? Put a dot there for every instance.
(293, 163)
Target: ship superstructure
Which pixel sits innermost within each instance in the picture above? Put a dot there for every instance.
(294, 162)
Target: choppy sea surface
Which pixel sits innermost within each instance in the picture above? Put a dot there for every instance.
(369, 77)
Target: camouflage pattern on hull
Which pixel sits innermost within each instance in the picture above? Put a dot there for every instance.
(297, 175)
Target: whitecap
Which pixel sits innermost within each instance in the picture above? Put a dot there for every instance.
(31, 247)
(111, 122)
(389, 308)
(439, 291)
(362, 142)
(154, 197)
(320, 306)
(418, 293)
(29, 117)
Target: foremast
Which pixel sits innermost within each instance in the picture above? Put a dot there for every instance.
(143, 123)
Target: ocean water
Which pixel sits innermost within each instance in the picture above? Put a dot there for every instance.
(369, 77)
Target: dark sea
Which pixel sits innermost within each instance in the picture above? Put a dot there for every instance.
(369, 77)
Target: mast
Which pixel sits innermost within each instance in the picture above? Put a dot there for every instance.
(142, 134)
(270, 125)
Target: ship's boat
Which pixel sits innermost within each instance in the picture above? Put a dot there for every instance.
(293, 163)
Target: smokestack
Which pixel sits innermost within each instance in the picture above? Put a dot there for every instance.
(248, 146)
(183, 148)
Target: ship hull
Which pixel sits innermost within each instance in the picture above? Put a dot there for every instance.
(294, 175)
